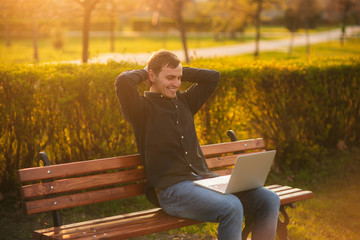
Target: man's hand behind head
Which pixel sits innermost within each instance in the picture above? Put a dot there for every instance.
(147, 81)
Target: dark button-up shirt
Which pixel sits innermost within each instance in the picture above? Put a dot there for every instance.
(164, 128)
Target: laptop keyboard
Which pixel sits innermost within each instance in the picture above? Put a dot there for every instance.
(219, 186)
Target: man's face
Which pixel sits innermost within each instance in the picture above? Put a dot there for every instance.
(167, 82)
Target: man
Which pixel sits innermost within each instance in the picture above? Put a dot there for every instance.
(164, 129)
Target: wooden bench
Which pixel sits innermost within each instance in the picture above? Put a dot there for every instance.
(54, 187)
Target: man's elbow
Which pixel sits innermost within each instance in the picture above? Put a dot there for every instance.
(119, 82)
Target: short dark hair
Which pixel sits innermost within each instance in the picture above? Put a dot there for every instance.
(162, 58)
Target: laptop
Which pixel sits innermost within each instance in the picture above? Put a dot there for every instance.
(250, 171)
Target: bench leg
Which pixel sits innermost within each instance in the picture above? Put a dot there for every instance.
(281, 230)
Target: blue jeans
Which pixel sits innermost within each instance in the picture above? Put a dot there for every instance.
(187, 200)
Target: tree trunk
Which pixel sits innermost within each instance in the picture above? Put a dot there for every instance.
(257, 27)
(347, 6)
(183, 39)
(342, 37)
(35, 40)
(112, 31)
(181, 26)
(85, 35)
(7, 32)
(307, 41)
(291, 44)
(88, 6)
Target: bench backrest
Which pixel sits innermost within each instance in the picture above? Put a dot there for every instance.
(87, 182)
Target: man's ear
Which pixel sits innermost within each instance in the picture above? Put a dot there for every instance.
(151, 75)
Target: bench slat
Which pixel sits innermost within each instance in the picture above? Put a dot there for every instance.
(96, 221)
(290, 195)
(231, 147)
(224, 172)
(85, 198)
(294, 197)
(118, 227)
(80, 183)
(280, 188)
(96, 228)
(289, 191)
(159, 225)
(222, 161)
(78, 168)
(272, 186)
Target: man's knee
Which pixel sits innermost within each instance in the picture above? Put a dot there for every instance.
(275, 199)
(234, 205)
(271, 200)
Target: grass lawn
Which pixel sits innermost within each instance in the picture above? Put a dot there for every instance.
(21, 49)
(282, 29)
(351, 48)
(334, 213)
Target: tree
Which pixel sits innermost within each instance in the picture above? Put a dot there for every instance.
(35, 11)
(88, 6)
(257, 22)
(111, 9)
(304, 14)
(292, 23)
(256, 8)
(310, 15)
(346, 12)
(173, 9)
(7, 10)
(345, 6)
(236, 12)
(228, 17)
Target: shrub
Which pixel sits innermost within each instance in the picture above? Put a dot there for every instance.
(300, 108)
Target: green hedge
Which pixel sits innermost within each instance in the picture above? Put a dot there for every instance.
(301, 108)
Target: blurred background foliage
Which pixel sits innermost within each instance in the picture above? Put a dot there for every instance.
(301, 108)
(36, 20)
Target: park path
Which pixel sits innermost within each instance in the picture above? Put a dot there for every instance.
(230, 50)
